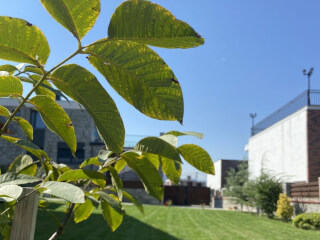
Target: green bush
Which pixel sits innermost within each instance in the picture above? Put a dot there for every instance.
(307, 221)
(284, 208)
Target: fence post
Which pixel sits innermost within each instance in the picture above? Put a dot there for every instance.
(24, 218)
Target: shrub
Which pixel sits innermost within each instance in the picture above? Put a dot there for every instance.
(307, 221)
(263, 193)
(284, 209)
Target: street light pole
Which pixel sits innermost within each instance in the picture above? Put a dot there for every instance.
(308, 74)
(252, 115)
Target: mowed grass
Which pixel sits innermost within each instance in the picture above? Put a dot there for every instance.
(173, 223)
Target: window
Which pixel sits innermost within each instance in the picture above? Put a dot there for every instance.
(36, 120)
(65, 156)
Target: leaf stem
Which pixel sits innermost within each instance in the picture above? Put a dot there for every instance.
(56, 234)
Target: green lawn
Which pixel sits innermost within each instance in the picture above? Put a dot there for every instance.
(172, 223)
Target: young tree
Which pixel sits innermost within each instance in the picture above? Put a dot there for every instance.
(263, 192)
(133, 69)
(236, 184)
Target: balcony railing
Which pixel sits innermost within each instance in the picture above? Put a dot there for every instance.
(307, 98)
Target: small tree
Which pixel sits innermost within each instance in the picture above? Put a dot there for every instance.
(132, 68)
(284, 208)
(264, 192)
(236, 183)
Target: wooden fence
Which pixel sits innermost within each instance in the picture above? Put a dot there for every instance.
(304, 190)
(187, 195)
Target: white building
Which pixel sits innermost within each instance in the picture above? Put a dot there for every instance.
(287, 143)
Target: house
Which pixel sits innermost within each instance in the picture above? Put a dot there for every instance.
(287, 142)
(222, 166)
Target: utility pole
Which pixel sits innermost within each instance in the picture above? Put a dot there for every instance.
(252, 115)
(308, 74)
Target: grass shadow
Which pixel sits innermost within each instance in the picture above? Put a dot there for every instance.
(95, 228)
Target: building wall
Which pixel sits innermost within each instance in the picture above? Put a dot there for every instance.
(281, 149)
(214, 181)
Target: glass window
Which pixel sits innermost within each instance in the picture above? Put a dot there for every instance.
(65, 156)
(36, 120)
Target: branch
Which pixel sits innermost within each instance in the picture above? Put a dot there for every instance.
(66, 219)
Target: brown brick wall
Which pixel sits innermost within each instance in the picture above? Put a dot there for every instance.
(313, 143)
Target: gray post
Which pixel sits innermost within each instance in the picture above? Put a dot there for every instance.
(24, 218)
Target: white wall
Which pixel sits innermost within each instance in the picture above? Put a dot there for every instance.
(214, 181)
(281, 149)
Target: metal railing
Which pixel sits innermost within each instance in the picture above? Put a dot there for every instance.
(311, 98)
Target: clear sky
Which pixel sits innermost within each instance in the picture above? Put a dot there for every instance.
(252, 61)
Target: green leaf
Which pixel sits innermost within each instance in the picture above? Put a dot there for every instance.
(116, 182)
(172, 169)
(148, 23)
(56, 119)
(91, 161)
(140, 76)
(112, 217)
(20, 163)
(83, 212)
(82, 86)
(158, 146)
(82, 174)
(26, 126)
(26, 145)
(17, 179)
(10, 86)
(64, 190)
(153, 158)
(29, 170)
(20, 41)
(4, 112)
(197, 157)
(147, 172)
(120, 164)
(76, 16)
(173, 140)
(112, 200)
(134, 200)
(33, 69)
(8, 68)
(45, 88)
(177, 133)
(9, 193)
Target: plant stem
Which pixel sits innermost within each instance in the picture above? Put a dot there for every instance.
(66, 219)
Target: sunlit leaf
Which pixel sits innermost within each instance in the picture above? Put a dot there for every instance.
(10, 86)
(172, 169)
(33, 69)
(149, 23)
(8, 68)
(75, 15)
(173, 140)
(116, 182)
(158, 146)
(147, 172)
(56, 119)
(10, 192)
(17, 179)
(82, 86)
(82, 174)
(20, 163)
(140, 76)
(25, 126)
(134, 200)
(83, 211)
(20, 41)
(177, 133)
(112, 217)
(26, 145)
(120, 164)
(63, 190)
(197, 157)
(91, 161)
(4, 112)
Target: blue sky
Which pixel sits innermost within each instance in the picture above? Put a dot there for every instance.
(252, 61)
